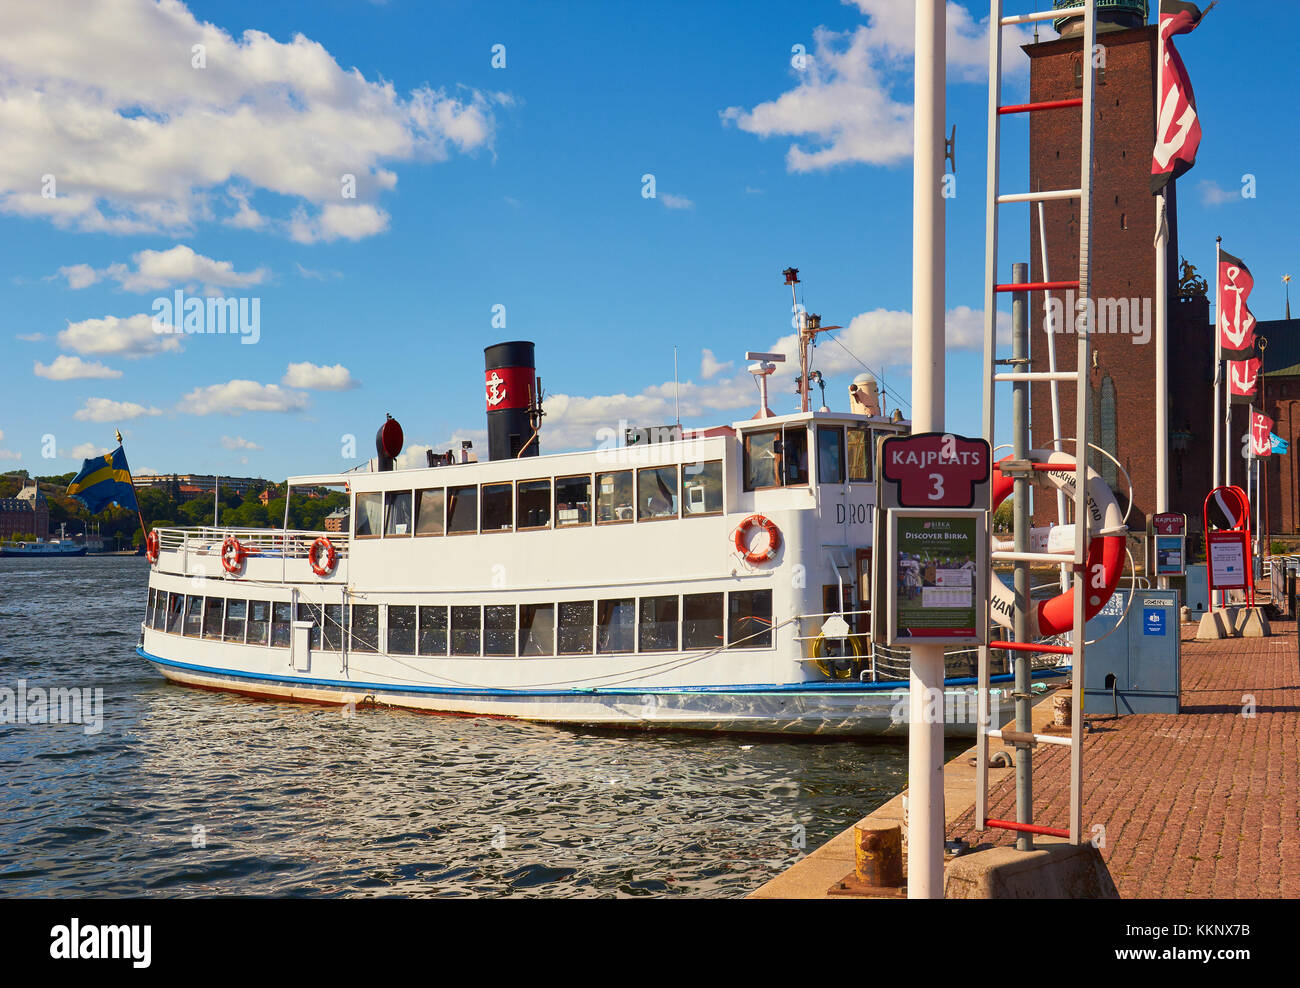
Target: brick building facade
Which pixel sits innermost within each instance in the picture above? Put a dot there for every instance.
(26, 514)
(1122, 376)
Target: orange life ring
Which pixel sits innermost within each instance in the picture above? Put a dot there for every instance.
(1106, 549)
(331, 556)
(152, 546)
(773, 539)
(232, 555)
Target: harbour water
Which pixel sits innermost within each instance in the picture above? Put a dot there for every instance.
(186, 792)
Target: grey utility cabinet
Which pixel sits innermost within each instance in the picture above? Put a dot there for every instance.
(1136, 668)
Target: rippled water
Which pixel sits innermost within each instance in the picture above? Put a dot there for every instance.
(187, 792)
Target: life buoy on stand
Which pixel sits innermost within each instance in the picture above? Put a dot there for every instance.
(152, 546)
(232, 555)
(1106, 549)
(326, 566)
(756, 555)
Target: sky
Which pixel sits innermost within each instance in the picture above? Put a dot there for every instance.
(388, 187)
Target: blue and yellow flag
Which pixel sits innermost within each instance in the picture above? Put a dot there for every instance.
(104, 480)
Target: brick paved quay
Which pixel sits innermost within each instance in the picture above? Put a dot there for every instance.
(1202, 804)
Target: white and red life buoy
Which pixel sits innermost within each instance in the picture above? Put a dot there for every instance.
(233, 554)
(326, 566)
(152, 546)
(757, 553)
(1106, 549)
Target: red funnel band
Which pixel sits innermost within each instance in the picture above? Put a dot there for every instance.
(508, 387)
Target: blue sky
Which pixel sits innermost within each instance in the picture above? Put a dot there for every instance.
(520, 186)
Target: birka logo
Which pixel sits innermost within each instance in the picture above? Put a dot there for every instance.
(508, 387)
(936, 469)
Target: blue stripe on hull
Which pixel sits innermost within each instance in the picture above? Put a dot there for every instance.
(826, 687)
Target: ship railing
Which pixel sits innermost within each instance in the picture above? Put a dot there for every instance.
(277, 542)
(894, 663)
(856, 642)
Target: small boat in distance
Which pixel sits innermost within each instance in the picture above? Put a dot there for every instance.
(42, 548)
(716, 579)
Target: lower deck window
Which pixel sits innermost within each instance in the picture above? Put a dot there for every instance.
(433, 630)
(658, 624)
(616, 625)
(702, 620)
(749, 619)
(499, 629)
(537, 629)
(193, 615)
(365, 627)
(212, 611)
(401, 629)
(236, 615)
(575, 623)
(311, 612)
(466, 630)
(281, 615)
(332, 628)
(175, 612)
(259, 621)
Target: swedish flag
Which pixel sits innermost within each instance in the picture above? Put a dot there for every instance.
(104, 480)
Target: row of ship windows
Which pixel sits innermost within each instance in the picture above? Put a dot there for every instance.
(618, 496)
(739, 619)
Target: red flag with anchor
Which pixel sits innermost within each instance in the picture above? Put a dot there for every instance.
(1236, 324)
(1178, 129)
(1260, 427)
(1243, 379)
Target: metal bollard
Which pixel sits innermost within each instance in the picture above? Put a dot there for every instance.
(879, 856)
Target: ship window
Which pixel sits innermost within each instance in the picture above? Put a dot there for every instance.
(702, 488)
(259, 614)
(498, 513)
(795, 454)
(749, 619)
(613, 497)
(576, 619)
(401, 629)
(499, 629)
(658, 624)
(572, 501)
(212, 617)
(462, 510)
(616, 625)
(175, 612)
(429, 512)
(534, 504)
(433, 630)
(537, 629)
(311, 612)
(365, 627)
(397, 513)
(236, 614)
(859, 454)
(369, 515)
(830, 454)
(281, 614)
(466, 624)
(762, 460)
(193, 615)
(150, 606)
(157, 609)
(702, 620)
(332, 628)
(657, 492)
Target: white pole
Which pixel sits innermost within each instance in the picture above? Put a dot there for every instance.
(1218, 371)
(925, 829)
(1162, 359)
(1050, 327)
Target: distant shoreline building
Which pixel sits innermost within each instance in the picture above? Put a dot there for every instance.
(27, 513)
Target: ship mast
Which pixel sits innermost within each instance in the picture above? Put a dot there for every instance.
(810, 325)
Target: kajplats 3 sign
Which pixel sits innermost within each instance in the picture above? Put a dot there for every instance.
(938, 589)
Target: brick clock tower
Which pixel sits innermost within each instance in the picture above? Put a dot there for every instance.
(1122, 377)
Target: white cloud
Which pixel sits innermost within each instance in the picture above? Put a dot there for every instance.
(66, 368)
(336, 220)
(8, 454)
(671, 201)
(239, 396)
(319, 378)
(710, 366)
(107, 410)
(238, 442)
(106, 99)
(414, 455)
(30, 337)
(1213, 194)
(131, 337)
(852, 101)
(83, 452)
(158, 269)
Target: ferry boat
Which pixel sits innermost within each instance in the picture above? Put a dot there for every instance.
(42, 548)
(712, 580)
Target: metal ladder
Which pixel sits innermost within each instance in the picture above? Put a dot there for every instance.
(992, 376)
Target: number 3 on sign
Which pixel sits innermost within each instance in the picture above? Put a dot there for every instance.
(936, 494)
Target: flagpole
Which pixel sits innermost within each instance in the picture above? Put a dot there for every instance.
(1162, 358)
(144, 532)
(1218, 361)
